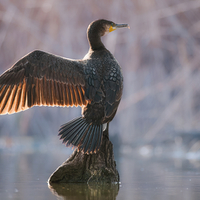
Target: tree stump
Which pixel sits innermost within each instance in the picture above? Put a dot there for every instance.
(84, 168)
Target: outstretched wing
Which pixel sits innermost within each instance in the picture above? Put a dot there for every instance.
(39, 79)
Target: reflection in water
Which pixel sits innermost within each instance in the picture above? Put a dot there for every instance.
(24, 176)
(81, 191)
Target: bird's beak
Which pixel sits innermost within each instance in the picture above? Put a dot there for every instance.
(116, 26)
(122, 26)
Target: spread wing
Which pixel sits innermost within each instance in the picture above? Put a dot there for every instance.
(39, 79)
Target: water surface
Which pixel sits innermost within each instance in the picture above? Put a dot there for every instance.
(24, 176)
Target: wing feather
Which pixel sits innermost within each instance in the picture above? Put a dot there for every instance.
(69, 97)
(72, 95)
(75, 95)
(45, 91)
(24, 93)
(3, 92)
(80, 100)
(41, 78)
(12, 99)
(18, 97)
(6, 98)
(36, 92)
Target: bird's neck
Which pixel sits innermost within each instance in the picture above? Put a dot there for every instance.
(95, 41)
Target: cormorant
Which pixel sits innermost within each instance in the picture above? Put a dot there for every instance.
(95, 83)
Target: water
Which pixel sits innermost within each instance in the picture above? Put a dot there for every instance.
(24, 176)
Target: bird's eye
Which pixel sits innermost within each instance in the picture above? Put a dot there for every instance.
(112, 24)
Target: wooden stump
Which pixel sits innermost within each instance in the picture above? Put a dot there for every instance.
(83, 168)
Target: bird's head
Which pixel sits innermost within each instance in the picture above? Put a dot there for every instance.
(99, 28)
(102, 27)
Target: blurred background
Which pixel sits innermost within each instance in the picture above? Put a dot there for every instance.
(159, 114)
(159, 57)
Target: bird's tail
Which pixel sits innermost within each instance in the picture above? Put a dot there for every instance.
(86, 136)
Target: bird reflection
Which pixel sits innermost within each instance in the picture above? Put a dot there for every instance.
(83, 191)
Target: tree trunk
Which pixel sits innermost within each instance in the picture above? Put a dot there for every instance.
(84, 168)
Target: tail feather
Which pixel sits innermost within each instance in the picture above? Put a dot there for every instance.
(86, 136)
(79, 137)
(76, 133)
(88, 142)
(72, 132)
(63, 131)
(93, 140)
(69, 123)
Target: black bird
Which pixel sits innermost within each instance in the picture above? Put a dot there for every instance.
(95, 83)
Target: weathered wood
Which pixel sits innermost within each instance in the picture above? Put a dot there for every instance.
(83, 168)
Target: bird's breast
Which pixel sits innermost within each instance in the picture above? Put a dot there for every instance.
(104, 84)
